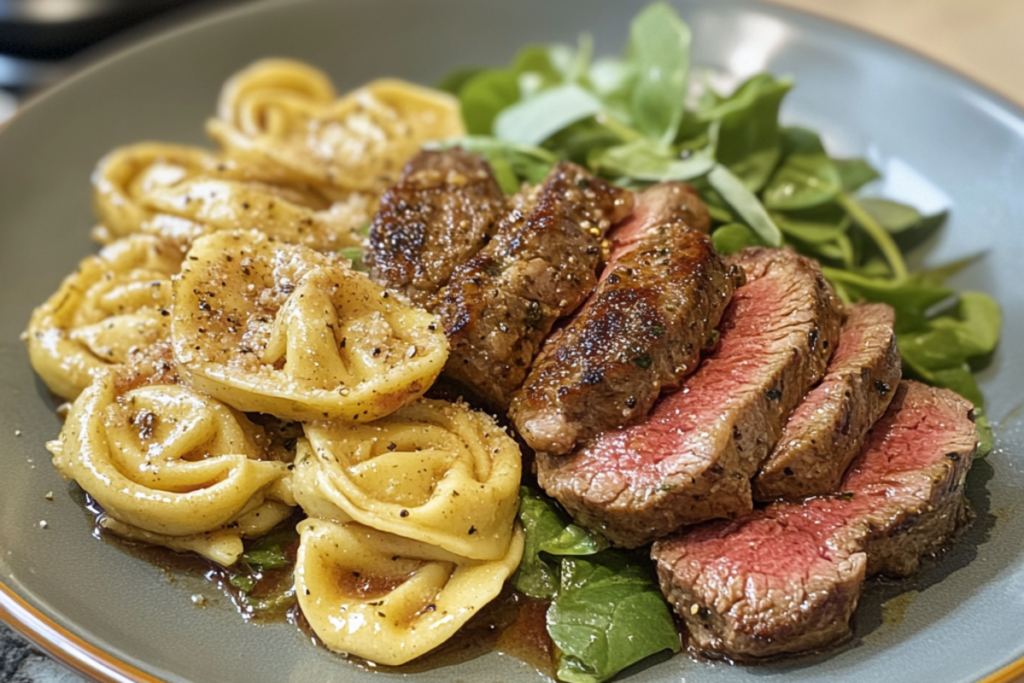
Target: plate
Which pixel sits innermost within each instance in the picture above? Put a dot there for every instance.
(942, 141)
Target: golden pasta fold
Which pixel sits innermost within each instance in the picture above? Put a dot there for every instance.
(386, 598)
(183, 192)
(287, 113)
(434, 471)
(113, 308)
(280, 329)
(165, 459)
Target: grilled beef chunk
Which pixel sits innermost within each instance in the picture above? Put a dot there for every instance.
(442, 211)
(641, 331)
(541, 264)
(669, 202)
(827, 430)
(787, 578)
(691, 460)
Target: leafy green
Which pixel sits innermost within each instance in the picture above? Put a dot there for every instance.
(534, 120)
(660, 59)
(355, 257)
(606, 612)
(551, 532)
(627, 119)
(609, 614)
(745, 204)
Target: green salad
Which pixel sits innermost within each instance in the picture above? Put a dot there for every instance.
(645, 117)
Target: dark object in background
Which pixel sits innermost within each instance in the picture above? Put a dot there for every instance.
(36, 36)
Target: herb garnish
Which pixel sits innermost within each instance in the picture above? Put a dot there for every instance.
(646, 116)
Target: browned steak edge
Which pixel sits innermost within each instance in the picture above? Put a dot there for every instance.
(641, 331)
(641, 482)
(827, 430)
(902, 499)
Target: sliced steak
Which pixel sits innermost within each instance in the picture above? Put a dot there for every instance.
(443, 210)
(787, 578)
(669, 202)
(641, 331)
(827, 430)
(541, 264)
(691, 460)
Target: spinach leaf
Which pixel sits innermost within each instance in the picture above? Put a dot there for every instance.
(355, 257)
(748, 140)
(745, 204)
(731, 237)
(855, 173)
(803, 181)
(548, 530)
(660, 55)
(534, 120)
(483, 96)
(609, 614)
(644, 160)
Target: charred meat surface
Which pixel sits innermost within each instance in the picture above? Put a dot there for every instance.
(787, 578)
(641, 331)
(827, 430)
(443, 210)
(541, 264)
(691, 460)
(668, 202)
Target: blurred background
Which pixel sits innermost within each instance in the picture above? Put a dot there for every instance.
(43, 40)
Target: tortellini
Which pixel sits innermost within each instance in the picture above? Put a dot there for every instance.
(114, 307)
(287, 112)
(386, 598)
(281, 329)
(184, 192)
(434, 471)
(169, 461)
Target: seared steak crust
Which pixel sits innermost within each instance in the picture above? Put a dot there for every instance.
(541, 264)
(692, 458)
(442, 211)
(668, 202)
(641, 331)
(787, 578)
(827, 430)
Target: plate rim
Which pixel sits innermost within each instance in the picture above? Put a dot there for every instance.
(87, 659)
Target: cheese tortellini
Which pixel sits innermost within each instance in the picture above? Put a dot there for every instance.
(435, 471)
(288, 113)
(184, 192)
(280, 329)
(113, 308)
(386, 598)
(177, 466)
(226, 364)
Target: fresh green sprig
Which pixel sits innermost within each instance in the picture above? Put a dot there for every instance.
(606, 612)
(635, 119)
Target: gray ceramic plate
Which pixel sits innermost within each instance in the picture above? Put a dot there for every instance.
(942, 140)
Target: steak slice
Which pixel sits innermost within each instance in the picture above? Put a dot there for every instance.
(541, 264)
(669, 202)
(641, 331)
(786, 579)
(691, 460)
(827, 430)
(443, 210)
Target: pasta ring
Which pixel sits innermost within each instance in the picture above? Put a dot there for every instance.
(110, 310)
(434, 471)
(285, 112)
(165, 459)
(281, 329)
(386, 598)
